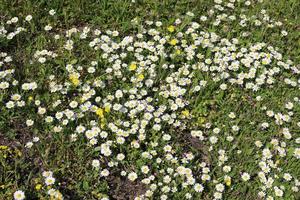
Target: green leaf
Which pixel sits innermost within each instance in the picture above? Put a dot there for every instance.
(85, 185)
(97, 149)
(73, 62)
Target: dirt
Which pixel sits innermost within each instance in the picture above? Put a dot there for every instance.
(125, 189)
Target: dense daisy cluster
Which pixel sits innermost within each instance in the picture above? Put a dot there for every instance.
(134, 99)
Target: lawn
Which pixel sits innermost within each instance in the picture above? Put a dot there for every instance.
(186, 99)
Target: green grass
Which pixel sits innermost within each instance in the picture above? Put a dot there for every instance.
(21, 168)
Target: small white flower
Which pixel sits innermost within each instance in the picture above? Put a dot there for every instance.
(145, 169)
(132, 176)
(14, 20)
(52, 12)
(284, 33)
(29, 122)
(49, 180)
(36, 139)
(220, 187)
(47, 174)
(28, 18)
(213, 139)
(73, 104)
(231, 115)
(96, 163)
(223, 86)
(29, 145)
(19, 195)
(297, 153)
(287, 176)
(48, 28)
(245, 176)
(198, 187)
(278, 192)
(104, 173)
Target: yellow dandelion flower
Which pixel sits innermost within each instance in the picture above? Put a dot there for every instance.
(38, 186)
(75, 82)
(185, 113)
(173, 42)
(132, 67)
(171, 28)
(227, 181)
(107, 109)
(30, 98)
(141, 77)
(74, 79)
(100, 112)
(3, 147)
(102, 122)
